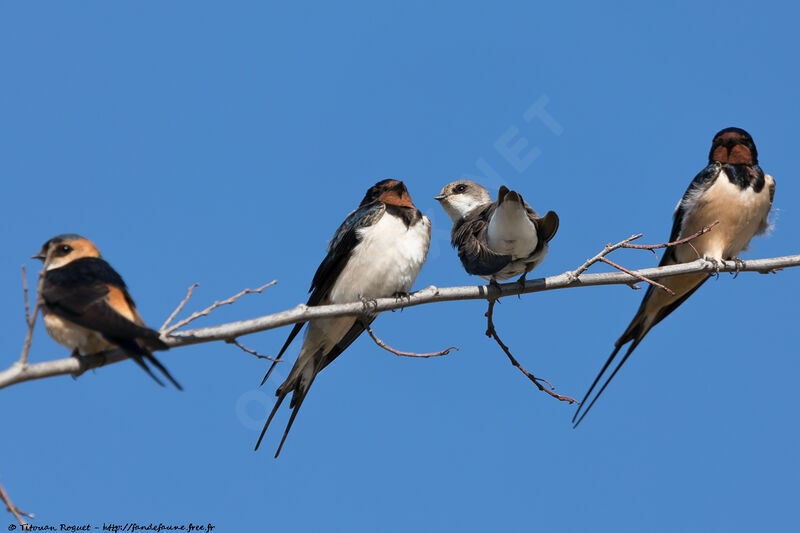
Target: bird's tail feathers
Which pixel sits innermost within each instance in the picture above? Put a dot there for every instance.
(634, 334)
(139, 354)
(298, 383)
(505, 195)
(295, 330)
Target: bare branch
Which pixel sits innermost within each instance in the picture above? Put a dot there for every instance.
(252, 352)
(178, 309)
(205, 312)
(70, 365)
(407, 354)
(13, 509)
(492, 332)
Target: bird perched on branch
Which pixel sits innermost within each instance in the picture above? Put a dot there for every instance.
(377, 252)
(496, 240)
(732, 189)
(87, 308)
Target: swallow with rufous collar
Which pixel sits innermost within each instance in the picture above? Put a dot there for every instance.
(377, 252)
(732, 189)
(87, 308)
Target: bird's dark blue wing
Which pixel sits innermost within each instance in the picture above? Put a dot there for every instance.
(341, 246)
(704, 179)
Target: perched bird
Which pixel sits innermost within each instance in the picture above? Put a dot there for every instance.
(376, 252)
(732, 189)
(496, 240)
(86, 305)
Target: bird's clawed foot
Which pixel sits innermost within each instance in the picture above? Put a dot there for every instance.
(717, 265)
(521, 282)
(739, 266)
(402, 297)
(369, 306)
(82, 361)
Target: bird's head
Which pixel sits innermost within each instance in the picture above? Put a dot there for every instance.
(460, 197)
(389, 191)
(65, 248)
(733, 146)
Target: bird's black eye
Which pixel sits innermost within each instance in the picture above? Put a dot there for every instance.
(461, 188)
(65, 249)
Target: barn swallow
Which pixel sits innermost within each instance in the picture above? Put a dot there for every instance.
(496, 240)
(86, 305)
(732, 189)
(376, 252)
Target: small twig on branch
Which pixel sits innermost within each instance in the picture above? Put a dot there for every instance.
(685, 240)
(607, 250)
(25, 296)
(31, 317)
(252, 352)
(178, 309)
(492, 332)
(627, 244)
(13, 509)
(205, 312)
(637, 276)
(407, 354)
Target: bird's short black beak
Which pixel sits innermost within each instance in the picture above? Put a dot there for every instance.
(40, 256)
(440, 197)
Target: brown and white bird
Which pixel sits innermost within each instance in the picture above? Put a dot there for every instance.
(87, 308)
(496, 240)
(732, 189)
(377, 252)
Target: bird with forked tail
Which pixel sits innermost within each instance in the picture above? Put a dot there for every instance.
(87, 308)
(377, 252)
(732, 189)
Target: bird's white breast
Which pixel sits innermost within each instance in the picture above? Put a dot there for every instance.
(511, 232)
(385, 261)
(741, 213)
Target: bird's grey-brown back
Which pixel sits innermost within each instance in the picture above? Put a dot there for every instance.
(496, 240)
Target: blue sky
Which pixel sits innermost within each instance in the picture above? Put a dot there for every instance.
(223, 144)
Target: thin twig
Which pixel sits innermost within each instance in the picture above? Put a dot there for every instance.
(407, 354)
(13, 509)
(252, 352)
(25, 296)
(207, 310)
(685, 240)
(605, 251)
(178, 309)
(492, 332)
(31, 317)
(637, 276)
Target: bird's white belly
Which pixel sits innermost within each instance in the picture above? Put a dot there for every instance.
(385, 262)
(741, 213)
(511, 232)
(74, 336)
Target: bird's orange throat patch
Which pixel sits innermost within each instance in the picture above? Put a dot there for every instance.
(393, 197)
(738, 154)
